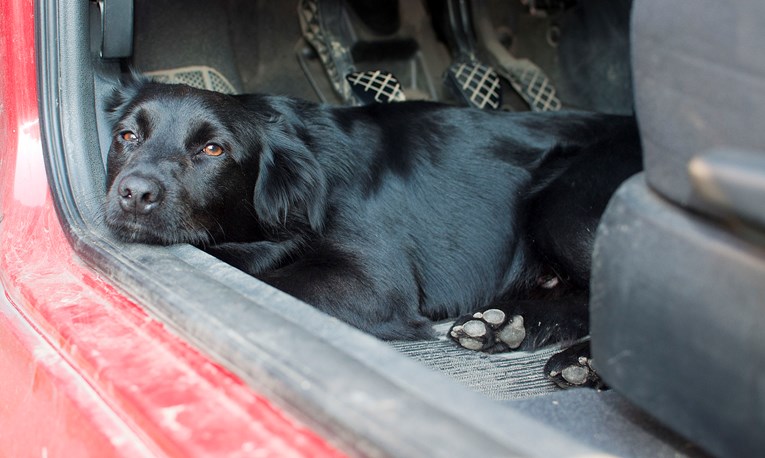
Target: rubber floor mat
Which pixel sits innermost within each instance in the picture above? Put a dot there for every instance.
(501, 376)
(200, 77)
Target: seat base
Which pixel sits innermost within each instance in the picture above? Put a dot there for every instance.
(694, 361)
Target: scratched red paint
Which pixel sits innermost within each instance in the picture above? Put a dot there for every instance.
(114, 371)
(60, 415)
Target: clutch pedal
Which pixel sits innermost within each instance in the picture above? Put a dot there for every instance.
(326, 28)
(321, 25)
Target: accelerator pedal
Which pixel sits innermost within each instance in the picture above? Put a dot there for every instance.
(525, 77)
(530, 82)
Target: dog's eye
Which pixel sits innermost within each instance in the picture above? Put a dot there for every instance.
(128, 136)
(211, 149)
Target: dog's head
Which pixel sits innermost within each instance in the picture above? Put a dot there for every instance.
(194, 166)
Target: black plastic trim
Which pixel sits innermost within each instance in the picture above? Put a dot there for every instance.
(116, 28)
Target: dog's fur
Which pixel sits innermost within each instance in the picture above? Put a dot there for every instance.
(385, 216)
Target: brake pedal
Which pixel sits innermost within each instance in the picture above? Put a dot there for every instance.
(376, 86)
(472, 82)
(475, 84)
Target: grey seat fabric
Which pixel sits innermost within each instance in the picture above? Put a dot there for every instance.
(678, 297)
(699, 79)
(677, 319)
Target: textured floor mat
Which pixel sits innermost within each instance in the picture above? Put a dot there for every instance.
(197, 76)
(170, 34)
(501, 376)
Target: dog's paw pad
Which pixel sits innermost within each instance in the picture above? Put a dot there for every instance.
(473, 334)
(513, 332)
(475, 328)
(490, 328)
(493, 317)
(568, 371)
(576, 374)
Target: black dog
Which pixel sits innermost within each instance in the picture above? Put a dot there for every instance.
(385, 216)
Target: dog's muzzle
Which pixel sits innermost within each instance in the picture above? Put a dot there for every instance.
(139, 195)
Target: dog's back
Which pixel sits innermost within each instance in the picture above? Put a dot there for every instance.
(434, 209)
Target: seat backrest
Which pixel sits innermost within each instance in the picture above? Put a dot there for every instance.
(699, 78)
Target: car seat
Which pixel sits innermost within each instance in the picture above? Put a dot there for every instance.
(678, 281)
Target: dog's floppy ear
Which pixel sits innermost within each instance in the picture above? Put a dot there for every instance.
(290, 182)
(122, 92)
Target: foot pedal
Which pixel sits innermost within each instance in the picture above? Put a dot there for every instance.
(327, 28)
(531, 83)
(320, 23)
(474, 84)
(200, 77)
(376, 86)
(528, 80)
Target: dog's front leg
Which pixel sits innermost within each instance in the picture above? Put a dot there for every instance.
(255, 258)
(531, 324)
(523, 324)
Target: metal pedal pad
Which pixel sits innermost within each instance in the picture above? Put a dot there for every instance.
(376, 86)
(531, 83)
(474, 83)
(525, 77)
(318, 23)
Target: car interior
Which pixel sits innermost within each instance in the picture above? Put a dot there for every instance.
(677, 291)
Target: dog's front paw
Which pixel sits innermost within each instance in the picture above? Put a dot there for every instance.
(573, 368)
(491, 330)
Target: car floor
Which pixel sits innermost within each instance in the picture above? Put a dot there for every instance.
(606, 421)
(256, 48)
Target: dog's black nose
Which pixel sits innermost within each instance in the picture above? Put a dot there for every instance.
(139, 195)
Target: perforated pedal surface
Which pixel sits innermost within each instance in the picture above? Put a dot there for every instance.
(376, 86)
(476, 84)
(532, 85)
(335, 56)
